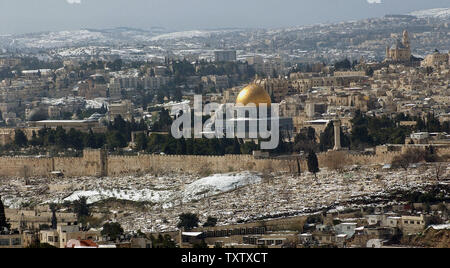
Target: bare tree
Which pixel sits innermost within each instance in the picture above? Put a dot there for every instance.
(439, 169)
(411, 156)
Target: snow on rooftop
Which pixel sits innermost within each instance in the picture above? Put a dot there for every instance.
(192, 234)
(320, 121)
(63, 121)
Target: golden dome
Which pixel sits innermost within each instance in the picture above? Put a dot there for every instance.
(253, 93)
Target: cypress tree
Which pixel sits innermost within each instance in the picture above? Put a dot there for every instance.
(54, 220)
(313, 163)
(3, 223)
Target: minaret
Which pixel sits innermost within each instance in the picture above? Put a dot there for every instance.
(337, 135)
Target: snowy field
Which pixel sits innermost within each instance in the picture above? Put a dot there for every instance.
(231, 197)
(202, 188)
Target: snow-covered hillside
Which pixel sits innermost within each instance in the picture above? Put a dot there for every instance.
(202, 188)
(85, 37)
(220, 183)
(440, 13)
(185, 35)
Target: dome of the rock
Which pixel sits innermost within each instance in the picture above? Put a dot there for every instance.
(253, 93)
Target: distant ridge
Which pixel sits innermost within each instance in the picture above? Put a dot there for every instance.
(440, 13)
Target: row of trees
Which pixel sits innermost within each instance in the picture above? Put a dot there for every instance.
(189, 221)
(428, 155)
(117, 136)
(372, 131)
(158, 143)
(367, 131)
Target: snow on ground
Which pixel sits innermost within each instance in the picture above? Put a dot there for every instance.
(181, 35)
(441, 227)
(206, 187)
(231, 197)
(144, 195)
(217, 184)
(96, 103)
(435, 13)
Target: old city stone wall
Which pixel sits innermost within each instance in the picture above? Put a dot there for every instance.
(193, 164)
(97, 163)
(25, 167)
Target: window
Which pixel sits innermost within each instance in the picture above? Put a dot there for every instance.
(4, 242)
(50, 239)
(16, 242)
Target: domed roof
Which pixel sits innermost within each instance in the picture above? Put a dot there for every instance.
(253, 93)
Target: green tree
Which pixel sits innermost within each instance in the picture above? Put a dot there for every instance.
(327, 138)
(188, 221)
(54, 219)
(313, 163)
(20, 139)
(163, 242)
(3, 223)
(115, 140)
(306, 140)
(90, 140)
(75, 139)
(433, 124)
(141, 142)
(61, 138)
(81, 208)
(112, 230)
(34, 140)
(210, 222)
(201, 245)
(40, 245)
(115, 65)
(249, 147)
(343, 65)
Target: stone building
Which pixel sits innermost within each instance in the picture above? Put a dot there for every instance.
(94, 87)
(225, 55)
(401, 50)
(63, 234)
(123, 108)
(80, 125)
(436, 59)
(413, 224)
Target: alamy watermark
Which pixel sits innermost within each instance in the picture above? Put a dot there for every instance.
(228, 121)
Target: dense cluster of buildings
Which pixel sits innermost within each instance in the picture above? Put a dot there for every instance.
(314, 97)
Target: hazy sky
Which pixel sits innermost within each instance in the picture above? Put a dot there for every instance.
(22, 16)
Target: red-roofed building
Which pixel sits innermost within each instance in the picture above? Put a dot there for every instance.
(73, 243)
